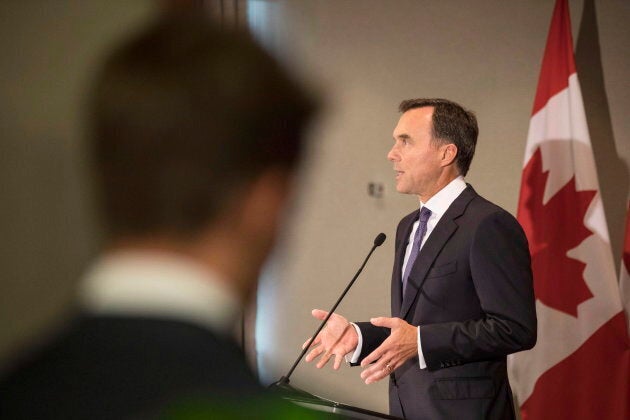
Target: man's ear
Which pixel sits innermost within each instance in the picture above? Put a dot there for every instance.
(240, 240)
(449, 153)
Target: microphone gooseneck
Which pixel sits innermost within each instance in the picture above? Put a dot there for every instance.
(284, 380)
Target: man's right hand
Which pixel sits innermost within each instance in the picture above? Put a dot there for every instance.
(338, 338)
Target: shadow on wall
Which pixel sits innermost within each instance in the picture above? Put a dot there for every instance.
(612, 171)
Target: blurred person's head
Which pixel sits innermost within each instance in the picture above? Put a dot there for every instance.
(196, 133)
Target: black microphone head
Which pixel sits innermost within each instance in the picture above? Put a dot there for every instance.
(380, 238)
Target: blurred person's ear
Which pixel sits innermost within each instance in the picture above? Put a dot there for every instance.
(263, 206)
(243, 237)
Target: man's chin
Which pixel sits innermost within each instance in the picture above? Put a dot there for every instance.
(401, 189)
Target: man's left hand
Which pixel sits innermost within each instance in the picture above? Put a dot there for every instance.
(401, 345)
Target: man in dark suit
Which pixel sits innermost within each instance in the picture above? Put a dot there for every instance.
(196, 135)
(462, 295)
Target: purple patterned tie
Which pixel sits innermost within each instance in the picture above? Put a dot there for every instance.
(425, 213)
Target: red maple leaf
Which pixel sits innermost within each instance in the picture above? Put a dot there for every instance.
(552, 230)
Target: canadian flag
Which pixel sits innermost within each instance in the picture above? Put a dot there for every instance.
(580, 366)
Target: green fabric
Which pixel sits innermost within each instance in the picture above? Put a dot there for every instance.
(199, 408)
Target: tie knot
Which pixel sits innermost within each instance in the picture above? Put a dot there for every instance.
(425, 213)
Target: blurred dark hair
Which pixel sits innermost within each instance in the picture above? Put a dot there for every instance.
(182, 117)
(452, 123)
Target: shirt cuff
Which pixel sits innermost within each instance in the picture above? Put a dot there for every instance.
(353, 357)
(423, 363)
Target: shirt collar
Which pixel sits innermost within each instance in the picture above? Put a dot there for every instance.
(160, 285)
(442, 200)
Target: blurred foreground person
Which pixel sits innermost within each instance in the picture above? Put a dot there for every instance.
(196, 134)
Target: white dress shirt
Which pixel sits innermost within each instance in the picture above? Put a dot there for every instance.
(159, 285)
(438, 204)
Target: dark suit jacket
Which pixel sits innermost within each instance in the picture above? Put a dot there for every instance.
(470, 291)
(123, 367)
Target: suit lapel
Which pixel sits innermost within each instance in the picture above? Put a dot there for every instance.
(401, 247)
(445, 228)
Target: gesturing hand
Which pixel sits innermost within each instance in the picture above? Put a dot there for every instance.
(402, 344)
(338, 338)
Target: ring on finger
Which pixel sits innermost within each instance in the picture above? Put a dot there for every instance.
(388, 368)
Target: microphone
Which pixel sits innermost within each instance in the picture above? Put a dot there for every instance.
(378, 241)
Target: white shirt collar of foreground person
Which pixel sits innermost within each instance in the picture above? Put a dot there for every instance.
(158, 284)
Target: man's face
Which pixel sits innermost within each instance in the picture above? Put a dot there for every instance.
(416, 159)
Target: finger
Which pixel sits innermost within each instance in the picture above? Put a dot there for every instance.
(372, 369)
(376, 376)
(368, 372)
(384, 322)
(314, 353)
(375, 355)
(323, 360)
(315, 343)
(338, 359)
(377, 372)
(371, 373)
(319, 314)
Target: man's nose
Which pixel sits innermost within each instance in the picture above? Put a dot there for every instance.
(393, 155)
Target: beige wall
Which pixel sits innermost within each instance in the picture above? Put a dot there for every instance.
(50, 50)
(368, 55)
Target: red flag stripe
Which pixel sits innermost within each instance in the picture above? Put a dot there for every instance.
(560, 394)
(558, 62)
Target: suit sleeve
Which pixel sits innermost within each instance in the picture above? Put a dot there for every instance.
(373, 337)
(500, 267)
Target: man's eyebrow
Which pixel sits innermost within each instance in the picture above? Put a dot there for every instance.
(403, 136)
